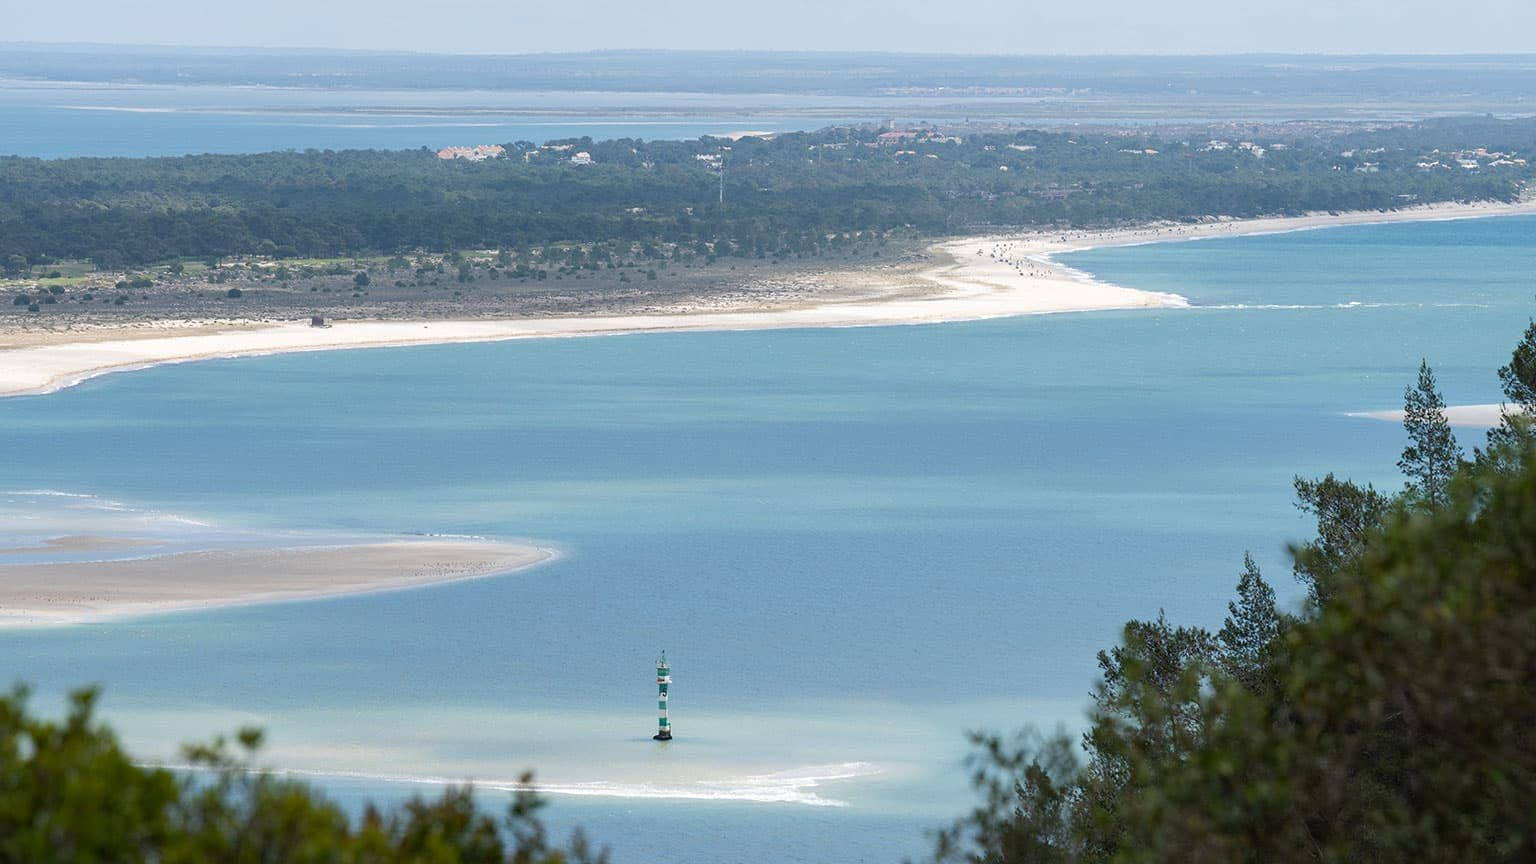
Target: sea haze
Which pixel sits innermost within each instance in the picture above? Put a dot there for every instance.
(853, 544)
(60, 101)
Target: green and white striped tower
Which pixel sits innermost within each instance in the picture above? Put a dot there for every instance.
(663, 678)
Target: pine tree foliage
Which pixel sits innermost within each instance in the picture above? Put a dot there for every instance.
(1029, 786)
(1432, 454)
(69, 793)
(1516, 433)
(1250, 635)
(1394, 719)
(1519, 376)
(1346, 514)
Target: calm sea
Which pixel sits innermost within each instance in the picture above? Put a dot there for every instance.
(854, 545)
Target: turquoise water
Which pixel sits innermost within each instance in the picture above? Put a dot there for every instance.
(853, 544)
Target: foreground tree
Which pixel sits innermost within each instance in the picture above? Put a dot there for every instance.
(1406, 725)
(1515, 435)
(1346, 515)
(1393, 720)
(1402, 725)
(1250, 637)
(1146, 710)
(1029, 787)
(1518, 377)
(69, 793)
(1432, 454)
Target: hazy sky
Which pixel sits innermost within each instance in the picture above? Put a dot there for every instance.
(989, 26)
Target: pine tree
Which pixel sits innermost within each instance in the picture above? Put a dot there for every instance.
(1515, 433)
(1346, 516)
(1145, 712)
(1249, 636)
(1432, 454)
(1519, 377)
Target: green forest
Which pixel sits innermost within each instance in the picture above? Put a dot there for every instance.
(791, 194)
(1386, 720)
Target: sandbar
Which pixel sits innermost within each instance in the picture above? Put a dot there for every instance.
(1476, 416)
(83, 543)
(76, 593)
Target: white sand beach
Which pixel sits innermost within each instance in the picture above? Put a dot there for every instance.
(1475, 416)
(76, 593)
(970, 279)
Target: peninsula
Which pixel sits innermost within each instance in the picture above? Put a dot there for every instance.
(964, 279)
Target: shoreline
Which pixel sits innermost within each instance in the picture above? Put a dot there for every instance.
(1484, 416)
(974, 279)
(67, 593)
(794, 786)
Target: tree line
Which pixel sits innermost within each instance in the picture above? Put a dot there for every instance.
(788, 195)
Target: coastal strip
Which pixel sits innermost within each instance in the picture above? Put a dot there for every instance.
(59, 593)
(969, 279)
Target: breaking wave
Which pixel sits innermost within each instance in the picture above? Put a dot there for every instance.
(62, 501)
(1347, 304)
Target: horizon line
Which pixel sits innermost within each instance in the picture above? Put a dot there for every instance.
(780, 52)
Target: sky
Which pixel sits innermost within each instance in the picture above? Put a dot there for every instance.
(965, 26)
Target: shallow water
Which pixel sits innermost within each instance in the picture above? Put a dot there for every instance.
(853, 544)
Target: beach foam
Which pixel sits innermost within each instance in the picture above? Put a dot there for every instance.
(792, 786)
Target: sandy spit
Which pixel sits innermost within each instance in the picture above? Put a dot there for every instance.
(968, 279)
(78, 593)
